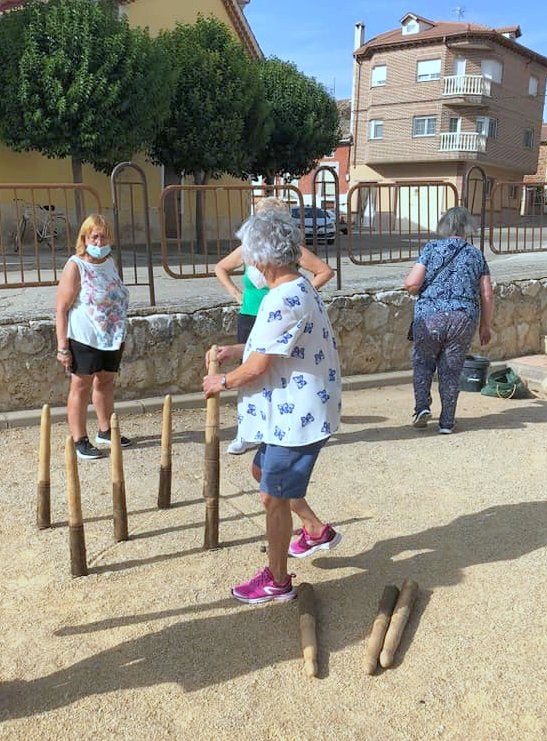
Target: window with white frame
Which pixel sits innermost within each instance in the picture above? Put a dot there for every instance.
(454, 125)
(528, 138)
(428, 69)
(487, 126)
(491, 69)
(376, 128)
(533, 86)
(424, 126)
(379, 75)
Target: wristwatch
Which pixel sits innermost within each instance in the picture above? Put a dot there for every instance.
(223, 382)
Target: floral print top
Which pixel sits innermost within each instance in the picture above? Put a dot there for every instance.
(98, 316)
(297, 401)
(455, 287)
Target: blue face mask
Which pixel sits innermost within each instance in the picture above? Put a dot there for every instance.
(98, 252)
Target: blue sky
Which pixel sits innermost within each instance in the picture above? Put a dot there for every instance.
(317, 35)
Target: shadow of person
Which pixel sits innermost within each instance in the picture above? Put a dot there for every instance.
(202, 651)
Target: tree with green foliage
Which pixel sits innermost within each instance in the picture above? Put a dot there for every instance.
(304, 117)
(78, 82)
(218, 117)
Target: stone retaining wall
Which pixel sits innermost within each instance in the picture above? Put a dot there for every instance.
(164, 352)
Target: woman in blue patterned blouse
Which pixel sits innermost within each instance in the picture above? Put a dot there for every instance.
(451, 279)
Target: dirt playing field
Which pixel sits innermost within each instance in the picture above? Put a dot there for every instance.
(150, 645)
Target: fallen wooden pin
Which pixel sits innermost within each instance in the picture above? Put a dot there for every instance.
(308, 635)
(399, 619)
(43, 507)
(379, 627)
(164, 492)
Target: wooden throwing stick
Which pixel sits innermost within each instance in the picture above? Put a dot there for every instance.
(164, 491)
(119, 507)
(307, 611)
(78, 563)
(43, 500)
(379, 627)
(399, 619)
(211, 473)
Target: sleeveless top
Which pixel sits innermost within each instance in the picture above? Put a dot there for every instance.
(98, 315)
(252, 296)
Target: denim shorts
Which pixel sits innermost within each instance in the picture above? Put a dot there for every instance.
(87, 360)
(286, 472)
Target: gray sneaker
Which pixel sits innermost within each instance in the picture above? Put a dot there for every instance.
(86, 451)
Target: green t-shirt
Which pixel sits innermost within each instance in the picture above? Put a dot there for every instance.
(252, 296)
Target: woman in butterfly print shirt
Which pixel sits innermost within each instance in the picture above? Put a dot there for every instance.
(289, 401)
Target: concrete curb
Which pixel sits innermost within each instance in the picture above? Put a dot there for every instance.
(30, 417)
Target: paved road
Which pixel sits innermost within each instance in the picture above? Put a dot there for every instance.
(198, 293)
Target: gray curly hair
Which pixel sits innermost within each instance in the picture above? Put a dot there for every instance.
(270, 238)
(456, 221)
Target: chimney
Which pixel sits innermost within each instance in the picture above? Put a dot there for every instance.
(358, 41)
(359, 35)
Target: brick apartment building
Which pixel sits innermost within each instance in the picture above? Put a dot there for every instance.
(432, 99)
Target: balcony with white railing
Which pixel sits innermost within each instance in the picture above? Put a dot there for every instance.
(463, 86)
(463, 141)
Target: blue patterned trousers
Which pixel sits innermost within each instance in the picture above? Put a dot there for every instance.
(441, 342)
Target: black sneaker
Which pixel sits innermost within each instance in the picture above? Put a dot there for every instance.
(420, 419)
(103, 438)
(85, 450)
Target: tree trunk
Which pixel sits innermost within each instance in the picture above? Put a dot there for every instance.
(200, 178)
(77, 177)
(172, 220)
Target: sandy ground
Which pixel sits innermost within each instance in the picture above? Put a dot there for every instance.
(151, 646)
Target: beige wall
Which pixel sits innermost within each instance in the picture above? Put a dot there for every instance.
(168, 12)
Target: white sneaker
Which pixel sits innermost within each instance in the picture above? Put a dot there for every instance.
(239, 446)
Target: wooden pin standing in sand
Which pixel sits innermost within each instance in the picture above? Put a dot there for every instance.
(43, 505)
(379, 627)
(211, 473)
(78, 563)
(119, 507)
(308, 634)
(399, 619)
(164, 491)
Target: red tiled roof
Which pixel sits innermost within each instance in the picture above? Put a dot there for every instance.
(440, 31)
(10, 4)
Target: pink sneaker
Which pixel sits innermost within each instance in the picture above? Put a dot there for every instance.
(305, 545)
(262, 588)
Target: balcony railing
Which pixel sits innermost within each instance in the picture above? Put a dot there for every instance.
(463, 142)
(466, 85)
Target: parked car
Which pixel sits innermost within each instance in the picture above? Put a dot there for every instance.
(325, 225)
(342, 224)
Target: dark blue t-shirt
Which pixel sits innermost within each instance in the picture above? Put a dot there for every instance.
(455, 287)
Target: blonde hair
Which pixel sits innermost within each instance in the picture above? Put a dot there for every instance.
(93, 221)
(271, 203)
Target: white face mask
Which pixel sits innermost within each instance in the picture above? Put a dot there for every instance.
(256, 277)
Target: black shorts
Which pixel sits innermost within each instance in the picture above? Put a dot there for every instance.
(87, 360)
(245, 322)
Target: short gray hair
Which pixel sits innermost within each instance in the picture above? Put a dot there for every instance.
(456, 221)
(270, 238)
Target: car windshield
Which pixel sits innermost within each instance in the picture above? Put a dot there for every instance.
(308, 213)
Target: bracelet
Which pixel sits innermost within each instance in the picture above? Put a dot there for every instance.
(63, 352)
(223, 382)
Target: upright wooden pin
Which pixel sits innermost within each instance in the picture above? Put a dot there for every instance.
(211, 473)
(379, 627)
(43, 505)
(78, 563)
(399, 619)
(164, 491)
(308, 634)
(119, 506)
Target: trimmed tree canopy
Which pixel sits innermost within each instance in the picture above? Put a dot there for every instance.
(305, 121)
(78, 82)
(218, 117)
